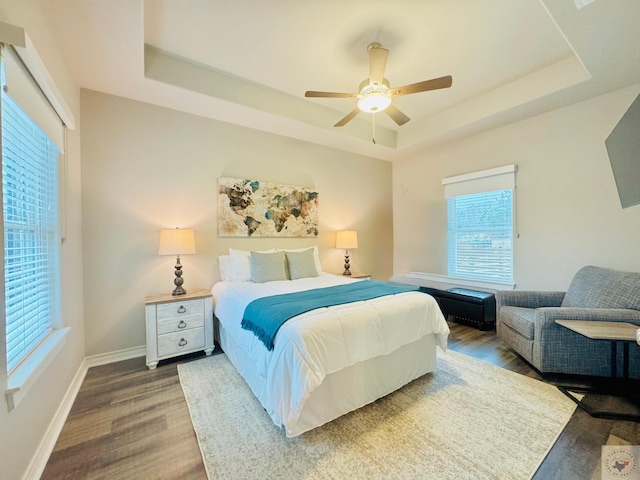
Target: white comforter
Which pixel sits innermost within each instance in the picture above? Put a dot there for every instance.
(317, 343)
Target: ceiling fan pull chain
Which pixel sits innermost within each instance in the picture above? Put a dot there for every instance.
(373, 128)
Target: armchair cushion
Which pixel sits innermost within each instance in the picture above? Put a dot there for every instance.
(520, 319)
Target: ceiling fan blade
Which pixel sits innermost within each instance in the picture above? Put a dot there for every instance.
(377, 63)
(347, 117)
(310, 93)
(396, 115)
(433, 84)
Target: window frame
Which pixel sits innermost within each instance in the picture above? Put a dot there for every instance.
(30, 195)
(477, 186)
(22, 378)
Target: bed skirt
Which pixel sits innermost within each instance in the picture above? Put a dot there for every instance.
(345, 390)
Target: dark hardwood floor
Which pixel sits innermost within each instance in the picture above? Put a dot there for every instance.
(131, 423)
(128, 422)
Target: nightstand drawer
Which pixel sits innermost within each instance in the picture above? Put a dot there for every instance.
(179, 324)
(178, 342)
(180, 309)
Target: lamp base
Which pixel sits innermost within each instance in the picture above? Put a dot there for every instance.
(179, 291)
(346, 266)
(178, 281)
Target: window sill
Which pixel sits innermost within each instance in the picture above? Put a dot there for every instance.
(432, 278)
(26, 375)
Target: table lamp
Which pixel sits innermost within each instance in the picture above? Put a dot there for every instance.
(177, 242)
(347, 239)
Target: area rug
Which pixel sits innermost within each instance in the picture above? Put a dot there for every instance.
(468, 420)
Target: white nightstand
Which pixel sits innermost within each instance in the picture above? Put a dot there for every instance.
(178, 324)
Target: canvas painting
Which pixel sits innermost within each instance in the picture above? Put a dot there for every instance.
(251, 208)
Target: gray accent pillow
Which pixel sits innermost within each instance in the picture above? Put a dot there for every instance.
(267, 267)
(302, 264)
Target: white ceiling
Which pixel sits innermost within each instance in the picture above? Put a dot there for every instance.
(249, 62)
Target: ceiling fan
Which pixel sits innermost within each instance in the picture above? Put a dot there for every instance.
(375, 95)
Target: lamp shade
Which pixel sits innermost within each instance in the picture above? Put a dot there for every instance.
(176, 242)
(347, 239)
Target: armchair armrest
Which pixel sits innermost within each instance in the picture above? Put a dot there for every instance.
(528, 298)
(546, 317)
(555, 347)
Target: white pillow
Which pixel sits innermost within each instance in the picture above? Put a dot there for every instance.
(316, 254)
(240, 262)
(226, 268)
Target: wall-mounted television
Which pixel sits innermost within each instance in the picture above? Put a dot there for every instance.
(623, 146)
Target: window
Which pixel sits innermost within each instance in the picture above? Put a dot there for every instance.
(30, 211)
(480, 224)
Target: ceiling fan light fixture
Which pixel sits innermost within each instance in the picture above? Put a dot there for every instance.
(374, 102)
(374, 97)
(375, 94)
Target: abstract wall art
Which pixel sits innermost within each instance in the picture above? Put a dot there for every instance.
(251, 208)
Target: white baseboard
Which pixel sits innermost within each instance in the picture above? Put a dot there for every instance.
(41, 457)
(39, 460)
(117, 356)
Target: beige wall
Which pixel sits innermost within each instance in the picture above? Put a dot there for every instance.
(146, 168)
(22, 430)
(569, 213)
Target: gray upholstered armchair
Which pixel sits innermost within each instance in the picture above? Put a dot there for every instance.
(525, 320)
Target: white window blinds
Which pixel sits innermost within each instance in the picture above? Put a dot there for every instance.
(31, 242)
(480, 224)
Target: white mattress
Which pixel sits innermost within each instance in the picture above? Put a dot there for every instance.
(316, 344)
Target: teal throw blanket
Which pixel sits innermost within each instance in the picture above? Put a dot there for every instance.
(264, 316)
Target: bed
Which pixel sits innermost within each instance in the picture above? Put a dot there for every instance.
(331, 360)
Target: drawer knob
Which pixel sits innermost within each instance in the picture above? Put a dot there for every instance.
(182, 342)
(182, 324)
(182, 309)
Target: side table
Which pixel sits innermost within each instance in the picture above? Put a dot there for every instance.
(617, 333)
(177, 325)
